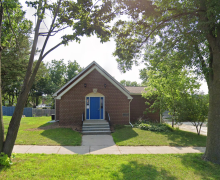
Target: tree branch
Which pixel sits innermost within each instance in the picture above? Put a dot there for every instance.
(204, 67)
(50, 31)
(45, 33)
(51, 50)
(165, 21)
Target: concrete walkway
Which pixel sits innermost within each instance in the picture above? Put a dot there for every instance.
(104, 144)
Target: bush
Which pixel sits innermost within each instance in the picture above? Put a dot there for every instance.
(5, 160)
(154, 127)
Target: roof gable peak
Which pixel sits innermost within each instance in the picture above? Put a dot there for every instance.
(84, 73)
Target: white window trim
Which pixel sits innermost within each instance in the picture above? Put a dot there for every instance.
(89, 96)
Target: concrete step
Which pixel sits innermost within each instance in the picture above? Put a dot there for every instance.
(95, 127)
(93, 124)
(96, 132)
(86, 128)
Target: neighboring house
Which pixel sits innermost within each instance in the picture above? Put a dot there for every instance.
(95, 92)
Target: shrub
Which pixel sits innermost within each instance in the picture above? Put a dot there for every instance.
(154, 127)
(5, 160)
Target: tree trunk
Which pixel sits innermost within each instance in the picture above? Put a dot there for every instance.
(212, 152)
(28, 81)
(1, 112)
(15, 120)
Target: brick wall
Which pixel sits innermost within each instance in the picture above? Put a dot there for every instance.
(72, 104)
(137, 108)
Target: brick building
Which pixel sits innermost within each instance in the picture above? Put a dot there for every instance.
(92, 93)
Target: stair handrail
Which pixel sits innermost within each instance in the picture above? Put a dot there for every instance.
(109, 117)
(83, 117)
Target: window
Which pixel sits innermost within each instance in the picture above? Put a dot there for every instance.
(101, 102)
(87, 103)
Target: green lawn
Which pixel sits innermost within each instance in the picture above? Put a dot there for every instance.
(128, 167)
(128, 136)
(32, 131)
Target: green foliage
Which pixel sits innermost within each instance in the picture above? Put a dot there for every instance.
(5, 160)
(59, 73)
(15, 39)
(155, 28)
(143, 75)
(195, 110)
(168, 85)
(129, 83)
(50, 77)
(153, 127)
(72, 69)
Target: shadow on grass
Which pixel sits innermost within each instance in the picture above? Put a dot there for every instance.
(135, 170)
(63, 136)
(204, 169)
(123, 133)
(184, 138)
(144, 137)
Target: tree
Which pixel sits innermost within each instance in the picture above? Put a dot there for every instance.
(15, 51)
(167, 86)
(195, 110)
(143, 75)
(73, 68)
(129, 83)
(84, 17)
(192, 29)
(60, 73)
(57, 74)
(7, 39)
(41, 85)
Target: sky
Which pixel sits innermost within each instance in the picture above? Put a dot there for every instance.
(90, 49)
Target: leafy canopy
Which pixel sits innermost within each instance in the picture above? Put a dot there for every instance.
(155, 28)
(168, 84)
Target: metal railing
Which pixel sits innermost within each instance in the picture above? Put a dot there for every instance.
(107, 117)
(83, 117)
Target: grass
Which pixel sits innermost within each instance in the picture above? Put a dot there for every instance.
(127, 136)
(117, 167)
(32, 131)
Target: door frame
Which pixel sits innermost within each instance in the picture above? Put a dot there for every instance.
(88, 108)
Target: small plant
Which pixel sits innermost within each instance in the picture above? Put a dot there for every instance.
(5, 160)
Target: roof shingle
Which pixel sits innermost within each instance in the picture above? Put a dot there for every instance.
(135, 90)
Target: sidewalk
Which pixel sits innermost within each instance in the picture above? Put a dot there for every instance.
(106, 149)
(104, 144)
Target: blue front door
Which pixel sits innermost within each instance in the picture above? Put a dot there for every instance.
(95, 108)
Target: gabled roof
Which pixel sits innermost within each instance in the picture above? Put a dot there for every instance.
(135, 90)
(83, 74)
